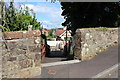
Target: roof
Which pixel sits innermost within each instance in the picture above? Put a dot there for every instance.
(46, 30)
(59, 32)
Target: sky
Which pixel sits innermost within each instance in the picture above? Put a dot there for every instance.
(49, 14)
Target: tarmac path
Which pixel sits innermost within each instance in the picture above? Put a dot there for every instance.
(85, 69)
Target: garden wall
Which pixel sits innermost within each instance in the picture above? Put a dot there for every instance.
(21, 54)
(89, 42)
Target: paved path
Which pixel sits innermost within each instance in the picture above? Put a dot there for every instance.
(114, 74)
(55, 56)
(85, 69)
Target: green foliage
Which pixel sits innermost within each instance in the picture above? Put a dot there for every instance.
(118, 22)
(18, 20)
(103, 28)
(50, 39)
(4, 28)
(51, 34)
(89, 14)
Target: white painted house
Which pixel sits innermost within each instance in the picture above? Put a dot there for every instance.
(61, 35)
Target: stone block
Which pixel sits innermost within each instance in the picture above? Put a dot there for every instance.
(13, 35)
(35, 71)
(37, 59)
(21, 57)
(34, 48)
(12, 59)
(37, 56)
(37, 63)
(22, 46)
(25, 63)
(37, 33)
(37, 40)
(9, 67)
(24, 74)
(33, 33)
(1, 44)
(31, 55)
(11, 45)
(19, 51)
(29, 42)
(15, 76)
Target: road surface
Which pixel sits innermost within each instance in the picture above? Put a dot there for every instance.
(85, 69)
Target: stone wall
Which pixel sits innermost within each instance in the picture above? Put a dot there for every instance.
(89, 42)
(21, 54)
(0, 54)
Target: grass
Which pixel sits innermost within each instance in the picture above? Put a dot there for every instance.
(104, 28)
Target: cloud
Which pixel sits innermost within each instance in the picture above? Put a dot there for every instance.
(51, 11)
(30, 6)
(46, 9)
(47, 22)
(31, 0)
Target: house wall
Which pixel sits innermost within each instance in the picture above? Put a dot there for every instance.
(64, 35)
(89, 42)
(21, 54)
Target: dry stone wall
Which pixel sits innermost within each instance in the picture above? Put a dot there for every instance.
(89, 42)
(21, 54)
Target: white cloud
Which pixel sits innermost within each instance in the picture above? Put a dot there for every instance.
(53, 12)
(47, 22)
(31, 0)
(50, 10)
(30, 6)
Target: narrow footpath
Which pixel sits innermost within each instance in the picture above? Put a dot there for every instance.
(85, 69)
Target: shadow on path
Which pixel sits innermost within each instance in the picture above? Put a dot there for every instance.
(85, 69)
(55, 56)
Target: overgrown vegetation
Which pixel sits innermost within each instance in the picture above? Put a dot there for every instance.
(17, 20)
(51, 35)
(89, 14)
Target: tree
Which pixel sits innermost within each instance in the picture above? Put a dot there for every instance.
(16, 20)
(51, 34)
(90, 14)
